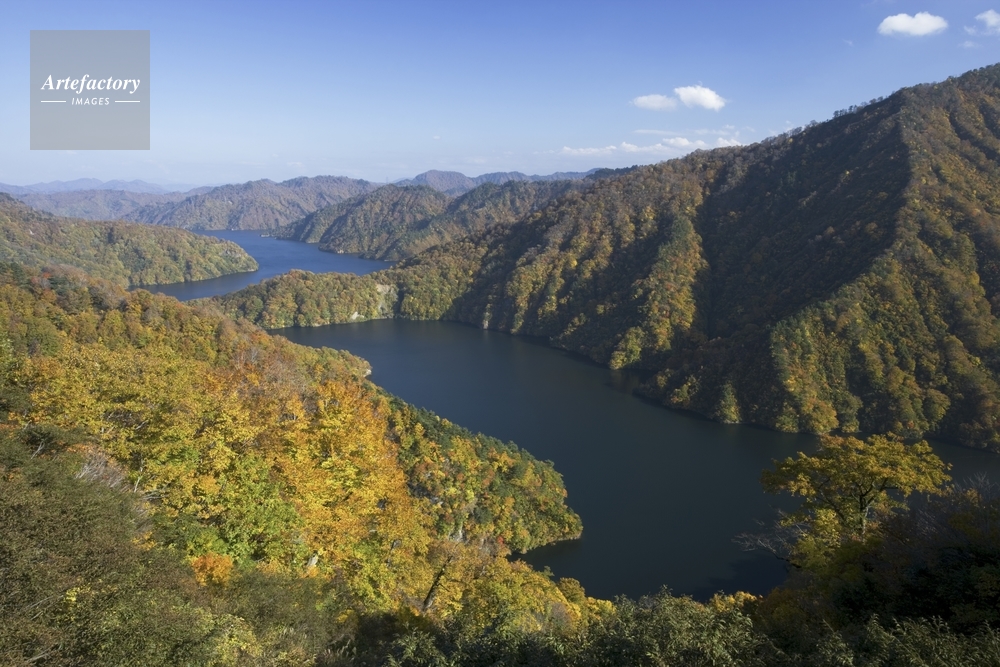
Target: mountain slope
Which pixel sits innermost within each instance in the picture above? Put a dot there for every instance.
(136, 186)
(484, 206)
(369, 224)
(253, 205)
(100, 204)
(845, 277)
(125, 253)
(394, 222)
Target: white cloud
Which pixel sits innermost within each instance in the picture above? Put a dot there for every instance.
(655, 102)
(672, 147)
(683, 142)
(918, 25)
(968, 44)
(607, 150)
(990, 21)
(700, 96)
(691, 96)
(668, 147)
(669, 144)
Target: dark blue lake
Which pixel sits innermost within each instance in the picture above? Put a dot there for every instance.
(274, 257)
(661, 493)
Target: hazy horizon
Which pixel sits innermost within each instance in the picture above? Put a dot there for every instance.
(190, 186)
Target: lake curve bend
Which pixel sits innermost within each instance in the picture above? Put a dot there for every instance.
(661, 493)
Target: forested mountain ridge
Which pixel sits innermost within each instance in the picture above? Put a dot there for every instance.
(395, 222)
(129, 254)
(101, 204)
(843, 277)
(369, 224)
(260, 204)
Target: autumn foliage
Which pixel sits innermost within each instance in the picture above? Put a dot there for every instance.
(251, 457)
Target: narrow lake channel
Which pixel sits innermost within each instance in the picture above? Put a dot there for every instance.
(661, 493)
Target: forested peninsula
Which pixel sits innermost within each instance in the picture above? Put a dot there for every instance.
(841, 277)
(129, 254)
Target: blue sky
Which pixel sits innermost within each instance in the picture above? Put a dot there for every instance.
(385, 90)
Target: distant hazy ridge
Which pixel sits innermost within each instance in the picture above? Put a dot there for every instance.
(260, 204)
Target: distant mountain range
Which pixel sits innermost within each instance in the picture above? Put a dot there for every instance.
(262, 204)
(102, 204)
(92, 184)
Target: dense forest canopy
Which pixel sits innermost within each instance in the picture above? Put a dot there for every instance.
(129, 254)
(249, 458)
(841, 277)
